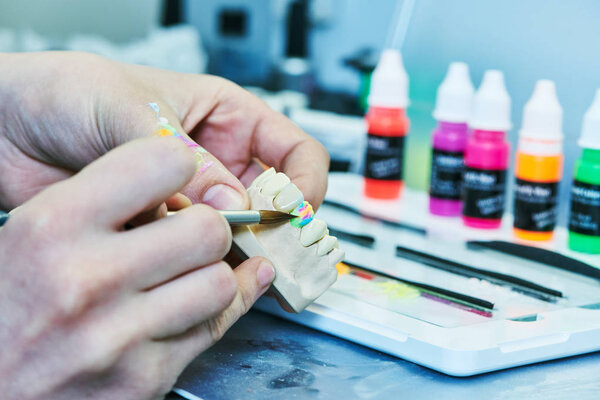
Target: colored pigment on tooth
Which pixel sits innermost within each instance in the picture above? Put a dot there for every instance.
(305, 214)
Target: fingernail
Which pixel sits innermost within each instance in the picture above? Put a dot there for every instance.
(223, 197)
(265, 274)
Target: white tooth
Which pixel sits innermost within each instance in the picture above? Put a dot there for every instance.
(261, 178)
(326, 244)
(312, 232)
(336, 256)
(273, 185)
(288, 199)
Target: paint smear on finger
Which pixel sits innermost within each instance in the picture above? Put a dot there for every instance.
(202, 161)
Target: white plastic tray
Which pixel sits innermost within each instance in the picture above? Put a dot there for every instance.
(520, 330)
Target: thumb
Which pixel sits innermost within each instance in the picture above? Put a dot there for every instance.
(212, 184)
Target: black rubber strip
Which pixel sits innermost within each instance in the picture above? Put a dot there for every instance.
(517, 284)
(394, 224)
(361, 240)
(547, 257)
(459, 297)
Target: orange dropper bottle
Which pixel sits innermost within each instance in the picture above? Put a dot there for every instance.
(388, 126)
(538, 165)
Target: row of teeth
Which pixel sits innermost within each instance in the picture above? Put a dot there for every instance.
(287, 198)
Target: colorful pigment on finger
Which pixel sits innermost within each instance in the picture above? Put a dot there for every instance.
(305, 214)
(156, 109)
(167, 130)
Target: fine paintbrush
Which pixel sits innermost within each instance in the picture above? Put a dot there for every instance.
(234, 217)
(251, 217)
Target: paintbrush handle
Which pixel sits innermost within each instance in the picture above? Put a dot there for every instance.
(241, 217)
(236, 217)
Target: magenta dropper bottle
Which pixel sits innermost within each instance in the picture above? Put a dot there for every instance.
(487, 154)
(449, 140)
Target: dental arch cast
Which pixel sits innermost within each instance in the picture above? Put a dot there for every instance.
(302, 251)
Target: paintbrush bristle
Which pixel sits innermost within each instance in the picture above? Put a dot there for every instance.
(274, 217)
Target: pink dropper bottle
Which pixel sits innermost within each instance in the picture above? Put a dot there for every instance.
(487, 154)
(449, 140)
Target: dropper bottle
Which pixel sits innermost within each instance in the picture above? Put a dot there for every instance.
(487, 154)
(584, 218)
(538, 165)
(449, 140)
(388, 126)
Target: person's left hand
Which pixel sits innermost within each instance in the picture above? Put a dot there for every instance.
(61, 111)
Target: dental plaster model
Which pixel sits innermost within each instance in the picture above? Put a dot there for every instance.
(302, 252)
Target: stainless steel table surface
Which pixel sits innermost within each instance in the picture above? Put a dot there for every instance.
(264, 357)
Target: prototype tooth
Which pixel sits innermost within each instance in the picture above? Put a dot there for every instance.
(326, 244)
(273, 185)
(336, 256)
(312, 232)
(289, 198)
(261, 178)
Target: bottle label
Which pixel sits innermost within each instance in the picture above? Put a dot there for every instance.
(384, 157)
(585, 209)
(446, 174)
(483, 193)
(535, 205)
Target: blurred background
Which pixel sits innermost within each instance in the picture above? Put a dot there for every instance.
(311, 58)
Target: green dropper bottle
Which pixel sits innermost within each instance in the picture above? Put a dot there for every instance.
(584, 219)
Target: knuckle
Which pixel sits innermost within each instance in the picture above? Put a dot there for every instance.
(77, 293)
(40, 223)
(247, 301)
(216, 328)
(103, 348)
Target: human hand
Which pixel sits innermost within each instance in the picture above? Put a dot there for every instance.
(60, 111)
(90, 310)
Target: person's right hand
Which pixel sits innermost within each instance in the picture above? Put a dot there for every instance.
(90, 310)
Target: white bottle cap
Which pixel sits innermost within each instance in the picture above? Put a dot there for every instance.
(542, 115)
(455, 95)
(590, 133)
(491, 104)
(389, 82)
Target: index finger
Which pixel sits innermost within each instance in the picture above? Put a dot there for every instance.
(126, 181)
(234, 125)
